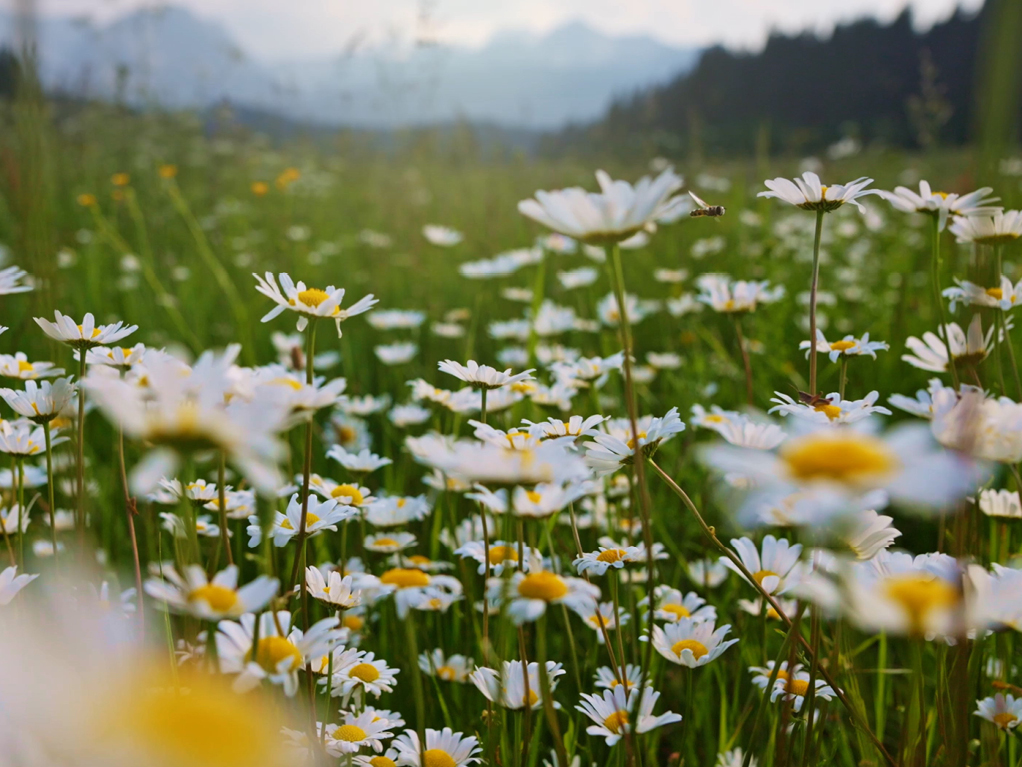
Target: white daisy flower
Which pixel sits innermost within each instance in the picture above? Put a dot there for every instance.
(774, 568)
(396, 353)
(365, 406)
(607, 678)
(355, 732)
(849, 346)
(1003, 710)
(117, 357)
(691, 643)
(1005, 296)
(11, 583)
(41, 402)
(708, 573)
(238, 504)
(506, 688)
(671, 606)
(501, 554)
(941, 204)
(931, 353)
(403, 416)
(1000, 503)
(17, 366)
(936, 397)
(359, 671)
(587, 371)
(614, 214)
(210, 600)
(414, 588)
(331, 588)
(577, 278)
(291, 352)
(830, 409)
(10, 277)
(530, 593)
(309, 303)
(599, 561)
(389, 543)
(608, 453)
(205, 527)
(449, 668)
(362, 462)
(664, 360)
(443, 748)
(610, 313)
(615, 713)
(722, 295)
(1000, 228)
(86, 335)
(279, 654)
(576, 426)
(761, 674)
(320, 516)
(601, 617)
(19, 438)
(868, 533)
(808, 193)
(387, 759)
(442, 236)
(734, 758)
(483, 376)
(796, 687)
(345, 494)
(396, 319)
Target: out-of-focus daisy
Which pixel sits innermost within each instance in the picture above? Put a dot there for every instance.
(830, 409)
(708, 573)
(808, 193)
(558, 243)
(577, 278)
(723, 295)
(506, 688)
(408, 415)
(868, 533)
(413, 587)
(761, 674)
(849, 346)
(443, 748)
(19, 438)
(941, 204)
(11, 583)
(1000, 228)
(346, 494)
(530, 593)
(276, 656)
(614, 214)
(394, 511)
(291, 352)
(501, 554)
(443, 236)
(671, 606)
(735, 758)
(332, 589)
(238, 504)
(691, 643)
(609, 311)
(449, 668)
(1003, 710)
(926, 400)
(389, 543)
(1000, 503)
(1005, 296)
(620, 711)
(10, 279)
(216, 599)
(607, 678)
(41, 402)
(601, 617)
(670, 276)
(84, 336)
(17, 366)
(396, 319)
(308, 303)
(931, 353)
(397, 353)
(796, 687)
(664, 360)
(492, 465)
(362, 462)
(118, 357)
(483, 376)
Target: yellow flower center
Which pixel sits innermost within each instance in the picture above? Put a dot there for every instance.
(350, 733)
(543, 585)
(995, 293)
(1004, 719)
(385, 542)
(698, 648)
(25, 366)
(616, 721)
(797, 686)
(365, 671)
(437, 757)
(615, 683)
(760, 575)
(533, 496)
(347, 491)
(401, 502)
(272, 651)
(95, 331)
(919, 595)
(285, 381)
(352, 622)
(418, 559)
(381, 761)
(848, 459)
(714, 419)
(405, 578)
(842, 346)
(611, 555)
(499, 554)
(447, 673)
(313, 296)
(598, 620)
(219, 598)
(782, 674)
(631, 442)
(678, 611)
(832, 412)
(310, 520)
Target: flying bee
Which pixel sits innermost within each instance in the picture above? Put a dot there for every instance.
(702, 209)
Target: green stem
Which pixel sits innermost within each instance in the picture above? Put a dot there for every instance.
(50, 494)
(844, 376)
(537, 302)
(310, 352)
(746, 362)
(21, 509)
(548, 700)
(413, 664)
(81, 450)
(221, 477)
(935, 268)
(130, 510)
(813, 288)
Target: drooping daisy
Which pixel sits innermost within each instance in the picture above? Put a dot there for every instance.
(1001, 227)
(620, 711)
(507, 687)
(449, 668)
(671, 606)
(309, 303)
(614, 214)
(796, 687)
(212, 600)
(279, 654)
(17, 366)
(691, 643)
(849, 346)
(84, 336)
(443, 748)
(531, 592)
(1003, 710)
(808, 193)
(931, 353)
(332, 589)
(11, 583)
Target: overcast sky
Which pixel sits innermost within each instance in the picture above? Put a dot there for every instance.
(275, 29)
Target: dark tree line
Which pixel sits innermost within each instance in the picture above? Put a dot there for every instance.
(872, 81)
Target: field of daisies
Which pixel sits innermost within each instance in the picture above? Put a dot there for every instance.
(317, 456)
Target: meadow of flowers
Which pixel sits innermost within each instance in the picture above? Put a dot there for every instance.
(320, 460)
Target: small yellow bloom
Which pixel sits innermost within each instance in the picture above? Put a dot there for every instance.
(168, 171)
(120, 179)
(86, 200)
(259, 188)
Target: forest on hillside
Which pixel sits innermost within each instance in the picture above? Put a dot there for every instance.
(870, 81)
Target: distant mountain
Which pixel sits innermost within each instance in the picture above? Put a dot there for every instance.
(171, 57)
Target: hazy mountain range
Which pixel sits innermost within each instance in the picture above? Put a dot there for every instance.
(174, 58)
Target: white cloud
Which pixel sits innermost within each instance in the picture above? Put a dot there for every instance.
(271, 29)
